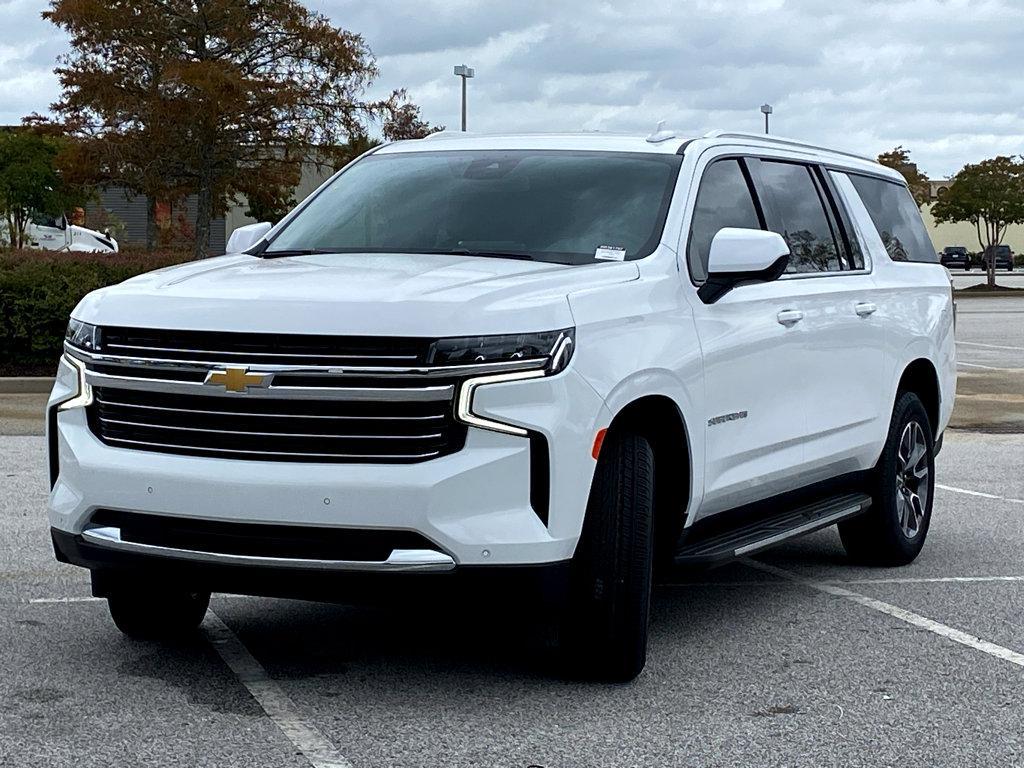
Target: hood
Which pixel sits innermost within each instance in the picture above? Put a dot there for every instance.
(355, 294)
(84, 239)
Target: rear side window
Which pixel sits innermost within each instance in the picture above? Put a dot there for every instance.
(799, 215)
(723, 200)
(897, 219)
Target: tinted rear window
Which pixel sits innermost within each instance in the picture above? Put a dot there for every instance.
(897, 219)
(801, 215)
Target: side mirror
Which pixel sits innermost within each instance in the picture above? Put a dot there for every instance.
(244, 238)
(742, 256)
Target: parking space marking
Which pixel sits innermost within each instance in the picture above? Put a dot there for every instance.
(307, 739)
(984, 494)
(278, 706)
(70, 599)
(977, 365)
(993, 346)
(867, 581)
(945, 631)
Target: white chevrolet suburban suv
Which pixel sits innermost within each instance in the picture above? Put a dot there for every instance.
(581, 357)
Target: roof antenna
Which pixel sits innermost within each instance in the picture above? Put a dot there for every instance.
(661, 133)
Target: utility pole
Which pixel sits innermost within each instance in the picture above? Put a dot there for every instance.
(465, 73)
(767, 110)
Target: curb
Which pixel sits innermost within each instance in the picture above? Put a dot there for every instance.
(19, 385)
(966, 293)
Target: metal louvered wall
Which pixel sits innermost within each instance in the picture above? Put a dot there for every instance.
(131, 211)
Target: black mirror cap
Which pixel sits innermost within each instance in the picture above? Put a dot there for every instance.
(719, 284)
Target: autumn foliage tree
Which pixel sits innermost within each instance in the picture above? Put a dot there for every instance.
(216, 98)
(989, 195)
(30, 181)
(898, 158)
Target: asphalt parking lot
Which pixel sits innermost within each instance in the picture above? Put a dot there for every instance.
(795, 658)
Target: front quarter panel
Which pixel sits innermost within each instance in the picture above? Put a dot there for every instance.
(638, 339)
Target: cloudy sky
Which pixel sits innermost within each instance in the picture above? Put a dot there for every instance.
(942, 77)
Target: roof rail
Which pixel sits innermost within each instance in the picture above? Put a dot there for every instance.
(448, 134)
(719, 134)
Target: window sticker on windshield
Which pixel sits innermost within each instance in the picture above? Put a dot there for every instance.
(611, 253)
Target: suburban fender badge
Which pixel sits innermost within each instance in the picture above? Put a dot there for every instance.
(727, 418)
(236, 380)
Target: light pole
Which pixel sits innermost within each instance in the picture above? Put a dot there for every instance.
(465, 73)
(767, 110)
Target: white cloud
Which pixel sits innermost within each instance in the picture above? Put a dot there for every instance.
(938, 76)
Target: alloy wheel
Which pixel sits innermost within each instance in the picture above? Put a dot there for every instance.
(912, 479)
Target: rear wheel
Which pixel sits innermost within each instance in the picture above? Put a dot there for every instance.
(604, 634)
(156, 613)
(893, 530)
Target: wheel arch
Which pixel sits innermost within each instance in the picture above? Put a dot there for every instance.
(660, 421)
(920, 377)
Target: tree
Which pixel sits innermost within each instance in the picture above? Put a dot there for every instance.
(989, 195)
(211, 97)
(404, 122)
(29, 181)
(899, 159)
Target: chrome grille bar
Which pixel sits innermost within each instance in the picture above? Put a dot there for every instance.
(393, 394)
(221, 451)
(370, 437)
(368, 417)
(173, 364)
(261, 354)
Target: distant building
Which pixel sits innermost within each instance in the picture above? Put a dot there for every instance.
(126, 215)
(962, 233)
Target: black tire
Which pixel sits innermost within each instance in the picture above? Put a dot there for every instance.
(157, 613)
(604, 634)
(892, 531)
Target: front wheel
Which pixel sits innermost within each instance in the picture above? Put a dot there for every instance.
(893, 530)
(604, 634)
(156, 613)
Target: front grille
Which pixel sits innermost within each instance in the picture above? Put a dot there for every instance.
(278, 429)
(252, 348)
(261, 539)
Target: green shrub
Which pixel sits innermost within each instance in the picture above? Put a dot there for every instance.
(38, 291)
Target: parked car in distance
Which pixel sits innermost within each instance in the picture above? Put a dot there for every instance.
(955, 256)
(1003, 257)
(564, 360)
(58, 234)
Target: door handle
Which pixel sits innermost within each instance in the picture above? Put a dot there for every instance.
(864, 308)
(788, 317)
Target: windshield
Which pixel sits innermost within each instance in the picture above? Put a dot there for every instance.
(956, 250)
(552, 206)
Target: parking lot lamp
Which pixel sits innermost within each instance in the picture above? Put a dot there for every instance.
(465, 73)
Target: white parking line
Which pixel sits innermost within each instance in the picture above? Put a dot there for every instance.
(993, 346)
(973, 493)
(870, 581)
(70, 599)
(309, 740)
(977, 365)
(950, 633)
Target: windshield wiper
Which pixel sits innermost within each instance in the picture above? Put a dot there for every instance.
(492, 254)
(293, 252)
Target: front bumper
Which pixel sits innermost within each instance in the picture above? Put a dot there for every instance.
(474, 505)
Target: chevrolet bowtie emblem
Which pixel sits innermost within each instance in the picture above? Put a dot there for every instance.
(237, 380)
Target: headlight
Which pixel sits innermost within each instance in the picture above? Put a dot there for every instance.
(549, 349)
(83, 335)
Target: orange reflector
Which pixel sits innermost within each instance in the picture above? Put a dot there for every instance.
(598, 440)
